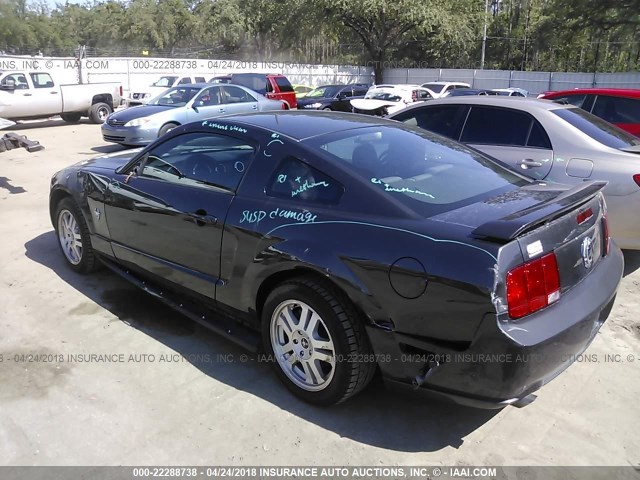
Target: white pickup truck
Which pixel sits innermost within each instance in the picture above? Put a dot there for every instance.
(140, 96)
(30, 95)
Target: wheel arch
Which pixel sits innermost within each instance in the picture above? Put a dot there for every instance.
(55, 198)
(103, 98)
(277, 278)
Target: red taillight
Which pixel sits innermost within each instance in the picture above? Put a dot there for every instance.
(584, 216)
(605, 236)
(533, 286)
(636, 178)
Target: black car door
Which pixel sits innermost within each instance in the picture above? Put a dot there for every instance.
(166, 212)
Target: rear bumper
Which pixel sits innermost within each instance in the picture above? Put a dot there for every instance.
(506, 361)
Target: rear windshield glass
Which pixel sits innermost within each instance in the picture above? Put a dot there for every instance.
(426, 172)
(164, 82)
(434, 87)
(283, 84)
(598, 129)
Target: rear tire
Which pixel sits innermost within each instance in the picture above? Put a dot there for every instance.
(99, 112)
(316, 341)
(166, 129)
(327, 109)
(71, 117)
(73, 237)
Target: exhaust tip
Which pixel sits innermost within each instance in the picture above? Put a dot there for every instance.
(524, 401)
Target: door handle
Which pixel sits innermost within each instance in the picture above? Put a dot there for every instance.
(255, 107)
(528, 163)
(222, 110)
(53, 93)
(200, 218)
(27, 94)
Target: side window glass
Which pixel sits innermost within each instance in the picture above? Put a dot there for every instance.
(444, 120)
(617, 109)
(208, 97)
(200, 80)
(295, 180)
(268, 87)
(496, 126)
(41, 80)
(200, 159)
(538, 137)
(19, 80)
(184, 81)
(236, 95)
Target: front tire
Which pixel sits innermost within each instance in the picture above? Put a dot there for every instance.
(99, 112)
(71, 117)
(73, 237)
(166, 129)
(317, 342)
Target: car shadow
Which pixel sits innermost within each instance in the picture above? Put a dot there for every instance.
(376, 416)
(631, 261)
(45, 123)
(114, 147)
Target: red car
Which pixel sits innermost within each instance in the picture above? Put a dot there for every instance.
(272, 85)
(615, 105)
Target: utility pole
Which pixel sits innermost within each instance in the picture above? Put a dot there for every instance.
(484, 33)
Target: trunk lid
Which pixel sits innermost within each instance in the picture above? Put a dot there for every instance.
(540, 219)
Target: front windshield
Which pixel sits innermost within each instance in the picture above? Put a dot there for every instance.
(427, 172)
(435, 87)
(322, 92)
(165, 82)
(597, 128)
(174, 97)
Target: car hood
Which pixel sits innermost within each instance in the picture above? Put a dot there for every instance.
(132, 113)
(111, 161)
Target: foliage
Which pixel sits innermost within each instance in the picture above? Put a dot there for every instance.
(571, 35)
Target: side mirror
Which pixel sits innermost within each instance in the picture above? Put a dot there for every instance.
(9, 84)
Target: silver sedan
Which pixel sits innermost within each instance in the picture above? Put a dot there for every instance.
(546, 141)
(141, 125)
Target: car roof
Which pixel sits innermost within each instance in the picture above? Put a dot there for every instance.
(622, 92)
(300, 124)
(445, 83)
(520, 103)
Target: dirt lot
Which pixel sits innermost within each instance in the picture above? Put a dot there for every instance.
(208, 411)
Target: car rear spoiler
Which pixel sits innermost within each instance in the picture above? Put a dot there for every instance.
(515, 224)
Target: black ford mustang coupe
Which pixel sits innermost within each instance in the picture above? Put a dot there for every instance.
(346, 244)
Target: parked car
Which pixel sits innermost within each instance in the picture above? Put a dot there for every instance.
(271, 85)
(32, 95)
(142, 96)
(511, 92)
(546, 141)
(441, 89)
(141, 125)
(615, 105)
(381, 100)
(333, 97)
(301, 90)
(347, 243)
(461, 92)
